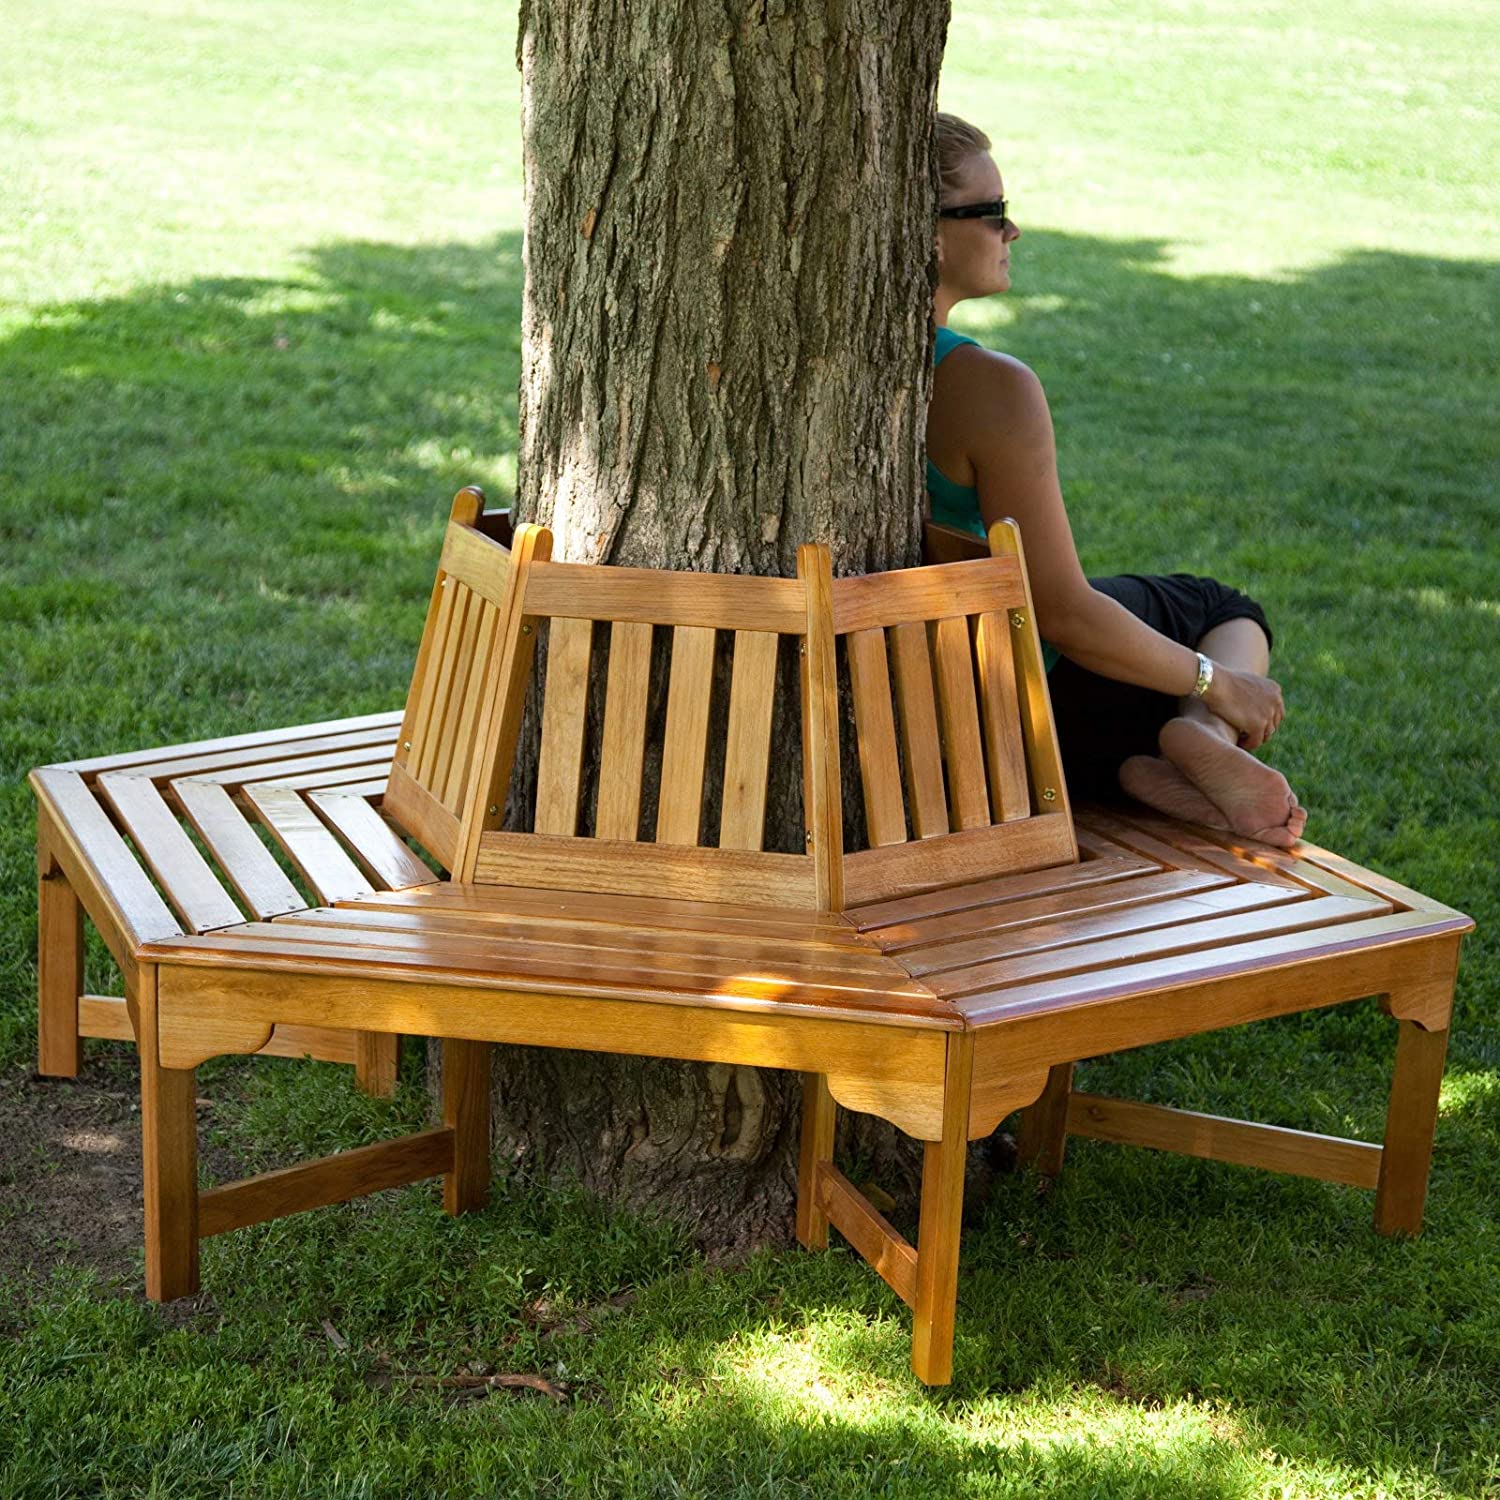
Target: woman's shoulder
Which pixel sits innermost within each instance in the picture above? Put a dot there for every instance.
(984, 372)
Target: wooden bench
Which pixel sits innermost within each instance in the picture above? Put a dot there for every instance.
(940, 972)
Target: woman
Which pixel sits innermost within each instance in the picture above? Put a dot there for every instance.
(1158, 684)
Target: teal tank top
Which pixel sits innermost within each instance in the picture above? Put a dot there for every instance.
(957, 505)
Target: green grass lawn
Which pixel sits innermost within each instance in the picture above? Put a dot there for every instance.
(259, 318)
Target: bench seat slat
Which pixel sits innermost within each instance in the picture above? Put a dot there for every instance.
(136, 909)
(251, 744)
(372, 839)
(187, 878)
(1218, 933)
(247, 864)
(310, 769)
(1070, 901)
(309, 845)
(1180, 846)
(1082, 927)
(767, 965)
(946, 899)
(750, 948)
(1046, 996)
(274, 948)
(233, 766)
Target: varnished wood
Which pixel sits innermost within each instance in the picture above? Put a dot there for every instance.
(504, 703)
(915, 595)
(822, 791)
(98, 862)
(59, 962)
(623, 746)
(383, 855)
(1410, 1124)
(377, 1061)
(1049, 789)
(466, 1113)
(307, 843)
(975, 966)
(597, 864)
(247, 746)
(897, 870)
(565, 708)
(819, 1116)
(1000, 715)
(190, 885)
(1298, 1153)
(968, 794)
(1043, 1136)
(685, 743)
(868, 1231)
(747, 745)
(169, 1159)
(706, 601)
(246, 862)
(875, 731)
(329, 1179)
(938, 1232)
(921, 745)
(947, 544)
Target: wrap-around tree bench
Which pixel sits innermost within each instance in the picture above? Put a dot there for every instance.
(943, 968)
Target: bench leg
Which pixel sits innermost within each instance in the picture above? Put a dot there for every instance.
(59, 966)
(819, 1116)
(377, 1060)
(1410, 1123)
(941, 1222)
(1044, 1125)
(169, 1159)
(466, 1112)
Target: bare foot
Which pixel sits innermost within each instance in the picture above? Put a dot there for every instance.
(1255, 798)
(1159, 784)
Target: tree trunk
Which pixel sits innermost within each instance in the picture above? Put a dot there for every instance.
(729, 272)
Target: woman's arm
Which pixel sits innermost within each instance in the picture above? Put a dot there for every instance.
(1000, 407)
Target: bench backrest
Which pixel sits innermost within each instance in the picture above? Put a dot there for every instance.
(684, 707)
(433, 773)
(957, 749)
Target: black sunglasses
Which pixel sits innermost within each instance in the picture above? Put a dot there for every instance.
(996, 210)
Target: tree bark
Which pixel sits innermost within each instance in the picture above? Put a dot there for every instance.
(725, 341)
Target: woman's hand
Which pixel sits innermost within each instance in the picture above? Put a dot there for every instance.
(1249, 702)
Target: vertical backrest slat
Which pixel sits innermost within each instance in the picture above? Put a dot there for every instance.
(560, 763)
(622, 749)
(460, 660)
(968, 795)
(1049, 790)
(1000, 714)
(822, 794)
(679, 812)
(920, 744)
(747, 749)
(435, 755)
(875, 734)
(429, 709)
(487, 643)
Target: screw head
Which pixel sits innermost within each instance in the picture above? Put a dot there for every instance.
(406, 744)
(1049, 794)
(1017, 618)
(494, 811)
(526, 630)
(809, 838)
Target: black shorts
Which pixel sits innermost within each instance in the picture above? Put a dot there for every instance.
(1102, 723)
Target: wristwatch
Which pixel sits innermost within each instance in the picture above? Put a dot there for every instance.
(1205, 676)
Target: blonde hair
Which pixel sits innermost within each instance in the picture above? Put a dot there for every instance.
(957, 141)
